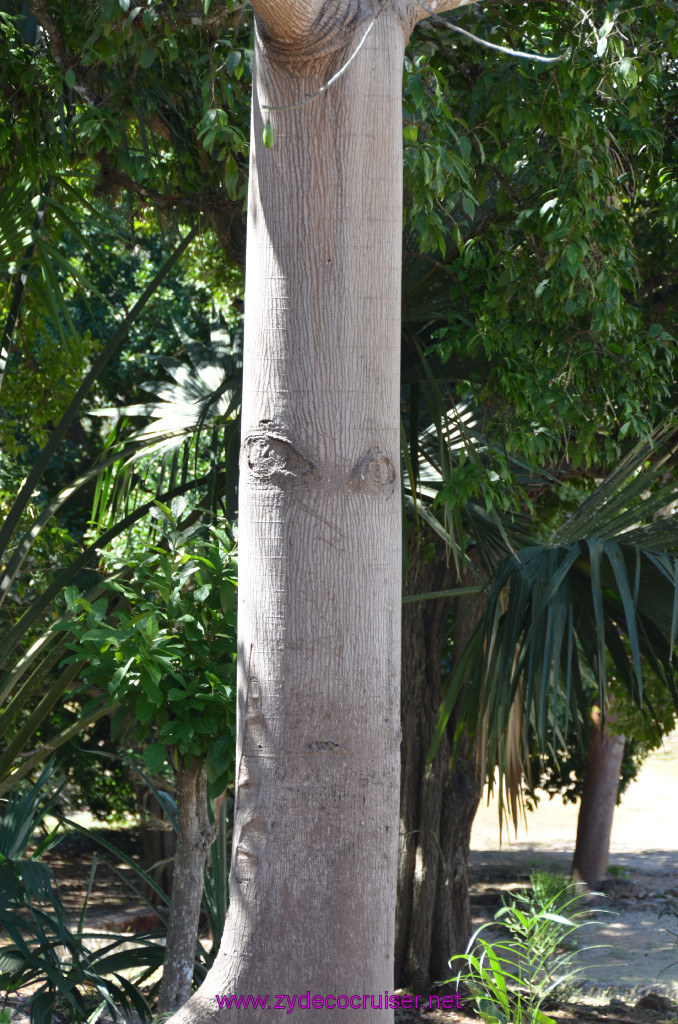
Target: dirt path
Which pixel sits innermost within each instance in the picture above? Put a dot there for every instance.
(642, 953)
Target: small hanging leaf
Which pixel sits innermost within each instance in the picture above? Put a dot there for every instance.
(268, 135)
(148, 55)
(234, 59)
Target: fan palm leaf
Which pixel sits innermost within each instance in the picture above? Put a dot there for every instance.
(604, 587)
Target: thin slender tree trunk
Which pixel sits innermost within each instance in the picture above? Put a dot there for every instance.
(314, 867)
(599, 797)
(195, 835)
(438, 804)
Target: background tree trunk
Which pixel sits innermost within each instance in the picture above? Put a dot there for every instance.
(600, 793)
(314, 867)
(158, 841)
(438, 804)
(195, 835)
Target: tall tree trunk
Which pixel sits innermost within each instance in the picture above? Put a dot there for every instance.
(438, 804)
(195, 835)
(600, 793)
(315, 837)
(313, 876)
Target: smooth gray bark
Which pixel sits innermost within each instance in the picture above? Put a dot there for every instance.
(313, 876)
(314, 867)
(195, 835)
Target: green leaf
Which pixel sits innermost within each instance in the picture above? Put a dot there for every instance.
(234, 59)
(155, 756)
(267, 136)
(148, 55)
(416, 88)
(144, 709)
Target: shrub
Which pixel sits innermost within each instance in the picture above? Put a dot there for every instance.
(510, 978)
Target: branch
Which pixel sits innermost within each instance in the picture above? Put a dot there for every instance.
(63, 59)
(437, 7)
(431, 12)
(224, 215)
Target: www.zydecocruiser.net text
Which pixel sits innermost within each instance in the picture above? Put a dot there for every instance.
(383, 1001)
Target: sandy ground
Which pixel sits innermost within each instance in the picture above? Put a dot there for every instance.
(639, 929)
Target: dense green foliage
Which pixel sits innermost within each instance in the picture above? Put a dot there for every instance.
(37, 925)
(533, 189)
(166, 654)
(539, 291)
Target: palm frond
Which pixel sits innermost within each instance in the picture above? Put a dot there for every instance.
(202, 393)
(597, 591)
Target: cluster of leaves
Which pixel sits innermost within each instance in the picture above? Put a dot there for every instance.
(167, 653)
(121, 259)
(603, 589)
(30, 688)
(149, 91)
(534, 193)
(94, 107)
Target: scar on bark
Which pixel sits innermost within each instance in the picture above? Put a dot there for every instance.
(374, 473)
(254, 722)
(272, 457)
(324, 745)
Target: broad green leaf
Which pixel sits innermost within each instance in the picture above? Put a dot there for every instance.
(148, 55)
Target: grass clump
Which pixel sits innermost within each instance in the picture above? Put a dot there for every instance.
(511, 978)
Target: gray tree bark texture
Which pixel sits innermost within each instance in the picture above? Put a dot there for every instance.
(195, 835)
(599, 796)
(315, 839)
(438, 803)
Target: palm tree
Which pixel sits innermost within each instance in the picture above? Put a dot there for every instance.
(457, 639)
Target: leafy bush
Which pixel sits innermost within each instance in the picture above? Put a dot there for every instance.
(167, 653)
